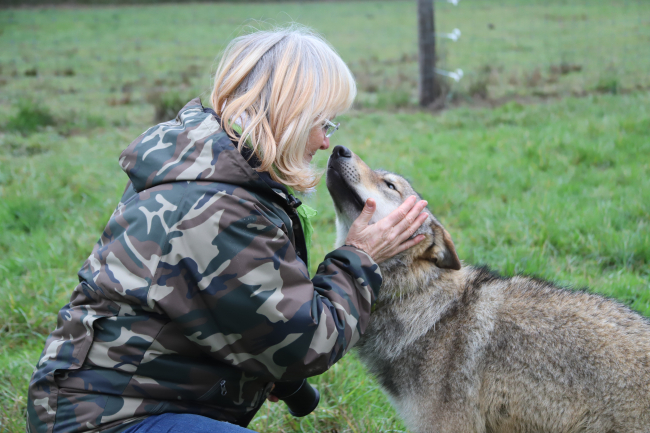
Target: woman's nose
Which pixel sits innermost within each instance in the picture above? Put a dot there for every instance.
(326, 144)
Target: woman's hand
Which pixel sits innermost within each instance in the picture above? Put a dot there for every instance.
(271, 397)
(390, 235)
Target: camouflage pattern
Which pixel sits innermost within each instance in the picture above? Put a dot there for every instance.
(195, 300)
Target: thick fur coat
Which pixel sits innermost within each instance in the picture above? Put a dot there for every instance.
(461, 349)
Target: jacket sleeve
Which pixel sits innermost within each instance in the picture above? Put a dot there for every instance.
(232, 281)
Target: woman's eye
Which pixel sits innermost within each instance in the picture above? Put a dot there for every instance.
(390, 185)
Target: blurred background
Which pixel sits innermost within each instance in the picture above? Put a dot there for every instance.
(138, 58)
(537, 159)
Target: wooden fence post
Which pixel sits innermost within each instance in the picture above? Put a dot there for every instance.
(429, 88)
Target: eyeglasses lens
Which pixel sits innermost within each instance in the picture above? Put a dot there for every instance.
(331, 129)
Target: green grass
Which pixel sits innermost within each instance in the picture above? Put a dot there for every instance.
(108, 61)
(558, 189)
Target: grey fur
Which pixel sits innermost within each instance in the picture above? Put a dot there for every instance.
(470, 351)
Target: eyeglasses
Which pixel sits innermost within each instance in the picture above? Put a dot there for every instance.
(329, 128)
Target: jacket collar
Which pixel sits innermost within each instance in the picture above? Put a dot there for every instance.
(194, 147)
(254, 162)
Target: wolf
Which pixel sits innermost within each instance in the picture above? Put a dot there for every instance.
(458, 348)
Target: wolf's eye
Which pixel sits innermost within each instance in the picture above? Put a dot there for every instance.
(390, 185)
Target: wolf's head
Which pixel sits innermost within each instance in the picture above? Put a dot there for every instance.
(351, 182)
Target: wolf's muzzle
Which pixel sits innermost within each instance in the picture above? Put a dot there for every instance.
(341, 152)
(342, 173)
(343, 164)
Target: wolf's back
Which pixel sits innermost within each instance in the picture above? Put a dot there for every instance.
(566, 357)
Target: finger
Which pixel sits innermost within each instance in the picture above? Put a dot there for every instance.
(272, 398)
(408, 232)
(411, 217)
(366, 213)
(410, 243)
(400, 213)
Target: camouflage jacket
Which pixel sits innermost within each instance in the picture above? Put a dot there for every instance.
(196, 298)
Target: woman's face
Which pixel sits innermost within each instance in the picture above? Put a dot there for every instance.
(317, 140)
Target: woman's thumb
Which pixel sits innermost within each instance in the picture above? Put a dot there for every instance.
(367, 212)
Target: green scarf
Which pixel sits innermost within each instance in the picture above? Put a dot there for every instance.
(305, 213)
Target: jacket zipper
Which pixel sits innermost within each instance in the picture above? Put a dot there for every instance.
(292, 201)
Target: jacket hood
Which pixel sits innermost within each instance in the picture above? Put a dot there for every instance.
(191, 147)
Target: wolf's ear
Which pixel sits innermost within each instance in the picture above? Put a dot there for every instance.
(442, 251)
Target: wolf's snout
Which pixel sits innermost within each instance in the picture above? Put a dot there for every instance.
(343, 164)
(341, 152)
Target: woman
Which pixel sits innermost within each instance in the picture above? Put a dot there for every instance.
(197, 297)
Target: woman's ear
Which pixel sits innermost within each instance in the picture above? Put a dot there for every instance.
(442, 251)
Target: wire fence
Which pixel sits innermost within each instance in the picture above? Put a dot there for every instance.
(505, 49)
(126, 56)
(554, 47)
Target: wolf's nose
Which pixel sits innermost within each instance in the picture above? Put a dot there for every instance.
(341, 152)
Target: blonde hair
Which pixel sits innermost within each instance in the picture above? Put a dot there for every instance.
(277, 85)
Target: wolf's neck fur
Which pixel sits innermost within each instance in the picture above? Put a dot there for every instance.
(410, 304)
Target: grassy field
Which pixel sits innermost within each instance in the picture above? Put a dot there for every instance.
(560, 188)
